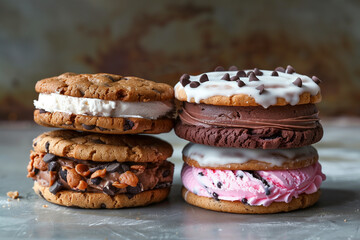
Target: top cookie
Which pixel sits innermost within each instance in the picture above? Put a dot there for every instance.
(249, 88)
(103, 148)
(106, 87)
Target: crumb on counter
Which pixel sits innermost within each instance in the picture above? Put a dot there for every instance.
(13, 195)
(44, 206)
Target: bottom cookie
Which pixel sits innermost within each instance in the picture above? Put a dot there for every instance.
(101, 200)
(303, 201)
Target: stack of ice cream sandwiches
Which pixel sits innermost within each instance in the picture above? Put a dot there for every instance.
(100, 161)
(251, 133)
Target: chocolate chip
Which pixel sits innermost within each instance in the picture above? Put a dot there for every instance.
(201, 173)
(109, 189)
(298, 82)
(261, 88)
(166, 173)
(35, 143)
(248, 73)
(267, 191)
(219, 184)
(241, 73)
(42, 111)
(234, 78)
(204, 78)
(215, 196)
(194, 84)
(226, 77)
(36, 171)
(133, 190)
(162, 185)
(316, 80)
(244, 201)
(103, 205)
(63, 174)
(53, 166)
(290, 69)
(94, 169)
(96, 181)
(233, 68)
(241, 83)
(57, 186)
(47, 145)
(252, 77)
(113, 167)
(129, 195)
(49, 157)
(128, 125)
(274, 74)
(258, 72)
(219, 69)
(185, 79)
(98, 141)
(102, 129)
(125, 167)
(88, 127)
(280, 69)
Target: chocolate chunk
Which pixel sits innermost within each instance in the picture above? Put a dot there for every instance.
(47, 145)
(63, 174)
(102, 129)
(234, 78)
(298, 82)
(36, 171)
(204, 78)
(162, 185)
(113, 167)
(244, 201)
(261, 88)
(219, 184)
(241, 83)
(274, 74)
(280, 69)
(258, 72)
(42, 111)
(219, 69)
(109, 189)
(201, 173)
(252, 77)
(267, 191)
(53, 166)
(133, 190)
(88, 127)
(316, 80)
(125, 167)
(57, 186)
(226, 77)
(290, 69)
(233, 68)
(185, 79)
(248, 73)
(166, 173)
(98, 141)
(215, 196)
(128, 125)
(194, 84)
(49, 157)
(103, 205)
(94, 169)
(241, 73)
(129, 195)
(96, 181)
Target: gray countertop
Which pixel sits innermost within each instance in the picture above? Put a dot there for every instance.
(335, 216)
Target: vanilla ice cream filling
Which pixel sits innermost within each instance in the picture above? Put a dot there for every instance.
(55, 102)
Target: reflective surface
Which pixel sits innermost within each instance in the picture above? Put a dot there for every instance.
(335, 216)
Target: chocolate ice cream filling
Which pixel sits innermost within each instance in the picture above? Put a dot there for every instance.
(287, 117)
(112, 178)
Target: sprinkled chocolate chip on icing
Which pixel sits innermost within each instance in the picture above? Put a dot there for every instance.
(201, 174)
(215, 196)
(274, 74)
(219, 184)
(194, 84)
(55, 187)
(290, 69)
(233, 68)
(261, 88)
(316, 80)
(249, 73)
(241, 83)
(49, 157)
(241, 73)
(204, 78)
(226, 77)
(184, 80)
(298, 82)
(88, 127)
(219, 69)
(234, 78)
(280, 69)
(252, 77)
(258, 72)
(267, 191)
(244, 201)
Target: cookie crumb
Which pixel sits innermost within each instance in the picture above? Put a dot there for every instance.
(13, 195)
(345, 220)
(44, 206)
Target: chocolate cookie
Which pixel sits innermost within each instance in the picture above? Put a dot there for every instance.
(105, 103)
(249, 109)
(100, 169)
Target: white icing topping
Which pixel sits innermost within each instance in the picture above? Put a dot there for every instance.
(55, 102)
(214, 156)
(275, 87)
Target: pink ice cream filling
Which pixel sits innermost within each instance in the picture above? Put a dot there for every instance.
(253, 187)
